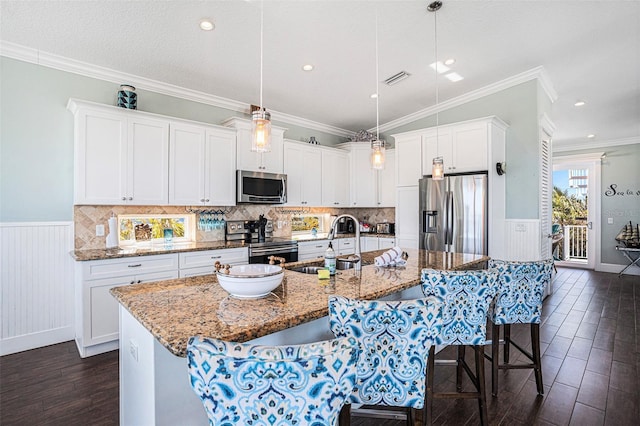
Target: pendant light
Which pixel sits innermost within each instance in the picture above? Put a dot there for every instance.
(377, 145)
(437, 168)
(261, 119)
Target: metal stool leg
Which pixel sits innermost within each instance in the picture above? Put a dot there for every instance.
(535, 348)
(482, 399)
(507, 342)
(495, 353)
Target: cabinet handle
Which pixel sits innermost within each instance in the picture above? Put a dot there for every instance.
(134, 266)
(318, 246)
(207, 200)
(216, 257)
(139, 281)
(124, 198)
(202, 200)
(132, 282)
(130, 198)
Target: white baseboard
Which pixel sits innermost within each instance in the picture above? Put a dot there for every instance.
(26, 342)
(612, 267)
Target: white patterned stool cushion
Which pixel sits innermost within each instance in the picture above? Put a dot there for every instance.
(246, 384)
(466, 297)
(395, 338)
(521, 290)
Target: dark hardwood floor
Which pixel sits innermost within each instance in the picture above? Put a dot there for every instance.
(591, 357)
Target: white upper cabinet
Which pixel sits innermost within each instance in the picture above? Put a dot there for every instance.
(408, 162)
(202, 166)
(303, 167)
(121, 156)
(370, 187)
(335, 178)
(436, 144)
(271, 162)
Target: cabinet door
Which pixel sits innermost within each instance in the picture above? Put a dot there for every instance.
(335, 179)
(219, 169)
(387, 181)
(294, 169)
(408, 160)
(346, 246)
(312, 249)
(271, 162)
(437, 144)
(386, 243)
(148, 162)
(312, 177)
(363, 178)
(100, 157)
(198, 259)
(407, 216)
(368, 244)
(470, 148)
(186, 170)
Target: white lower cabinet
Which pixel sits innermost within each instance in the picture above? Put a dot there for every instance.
(376, 243)
(313, 249)
(345, 246)
(196, 263)
(97, 309)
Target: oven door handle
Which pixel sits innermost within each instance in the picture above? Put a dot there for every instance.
(272, 250)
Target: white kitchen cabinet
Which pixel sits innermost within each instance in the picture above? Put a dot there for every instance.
(313, 249)
(376, 243)
(386, 243)
(97, 309)
(463, 147)
(370, 187)
(345, 246)
(198, 263)
(303, 167)
(121, 156)
(407, 216)
(270, 162)
(335, 178)
(408, 159)
(202, 165)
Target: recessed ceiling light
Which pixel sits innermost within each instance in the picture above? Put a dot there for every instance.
(450, 61)
(579, 103)
(440, 67)
(307, 67)
(454, 76)
(207, 25)
(374, 96)
(591, 136)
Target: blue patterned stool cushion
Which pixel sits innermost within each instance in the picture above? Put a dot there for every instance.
(466, 297)
(241, 383)
(395, 337)
(520, 291)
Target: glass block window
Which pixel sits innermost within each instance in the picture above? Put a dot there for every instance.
(151, 228)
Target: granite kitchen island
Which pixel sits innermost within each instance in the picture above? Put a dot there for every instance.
(157, 319)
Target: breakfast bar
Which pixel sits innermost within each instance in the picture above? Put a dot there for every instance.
(157, 319)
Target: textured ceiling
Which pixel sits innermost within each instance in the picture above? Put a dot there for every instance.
(590, 50)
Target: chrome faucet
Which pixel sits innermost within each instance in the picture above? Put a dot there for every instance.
(357, 258)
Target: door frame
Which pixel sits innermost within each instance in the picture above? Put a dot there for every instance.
(593, 163)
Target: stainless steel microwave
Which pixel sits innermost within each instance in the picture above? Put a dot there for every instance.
(261, 188)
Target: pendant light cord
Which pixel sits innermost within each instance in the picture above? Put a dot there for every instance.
(377, 85)
(435, 29)
(261, 48)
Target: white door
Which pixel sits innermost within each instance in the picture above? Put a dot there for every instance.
(148, 162)
(220, 169)
(186, 170)
(578, 178)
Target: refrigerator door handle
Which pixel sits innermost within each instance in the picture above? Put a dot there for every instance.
(451, 222)
(447, 220)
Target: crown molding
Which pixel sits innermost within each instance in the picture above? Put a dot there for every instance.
(537, 73)
(50, 60)
(579, 146)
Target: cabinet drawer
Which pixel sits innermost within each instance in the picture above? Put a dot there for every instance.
(196, 259)
(129, 266)
(311, 248)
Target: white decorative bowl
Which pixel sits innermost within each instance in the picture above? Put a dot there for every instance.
(251, 281)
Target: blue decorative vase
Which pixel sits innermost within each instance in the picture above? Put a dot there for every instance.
(127, 97)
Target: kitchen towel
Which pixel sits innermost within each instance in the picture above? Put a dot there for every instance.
(391, 257)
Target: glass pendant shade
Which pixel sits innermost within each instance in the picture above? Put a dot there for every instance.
(377, 154)
(261, 131)
(437, 170)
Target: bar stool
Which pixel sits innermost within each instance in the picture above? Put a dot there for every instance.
(519, 301)
(466, 297)
(395, 337)
(241, 383)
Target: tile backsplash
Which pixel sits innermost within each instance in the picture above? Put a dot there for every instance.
(87, 217)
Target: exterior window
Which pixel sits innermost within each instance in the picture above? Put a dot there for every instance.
(306, 223)
(151, 228)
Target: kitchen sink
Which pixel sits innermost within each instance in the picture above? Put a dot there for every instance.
(340, 266)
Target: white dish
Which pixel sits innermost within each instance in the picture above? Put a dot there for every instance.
(251, 281)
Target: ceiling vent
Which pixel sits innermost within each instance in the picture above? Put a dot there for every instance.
(397, 78)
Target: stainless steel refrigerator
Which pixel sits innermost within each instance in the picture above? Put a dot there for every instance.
(453, 213)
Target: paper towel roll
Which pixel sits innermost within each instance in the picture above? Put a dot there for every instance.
(112, 237)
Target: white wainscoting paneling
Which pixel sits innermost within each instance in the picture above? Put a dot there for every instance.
(36, 285)
(522, 239)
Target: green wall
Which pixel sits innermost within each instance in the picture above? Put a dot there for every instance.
(520, 108)
(619, 168)
(36, 135)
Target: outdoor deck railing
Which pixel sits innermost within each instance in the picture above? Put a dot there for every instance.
(574, 244)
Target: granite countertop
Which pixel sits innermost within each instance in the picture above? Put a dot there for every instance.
(161, 248)
(175, 310)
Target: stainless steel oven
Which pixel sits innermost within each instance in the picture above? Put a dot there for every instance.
(260, 248)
